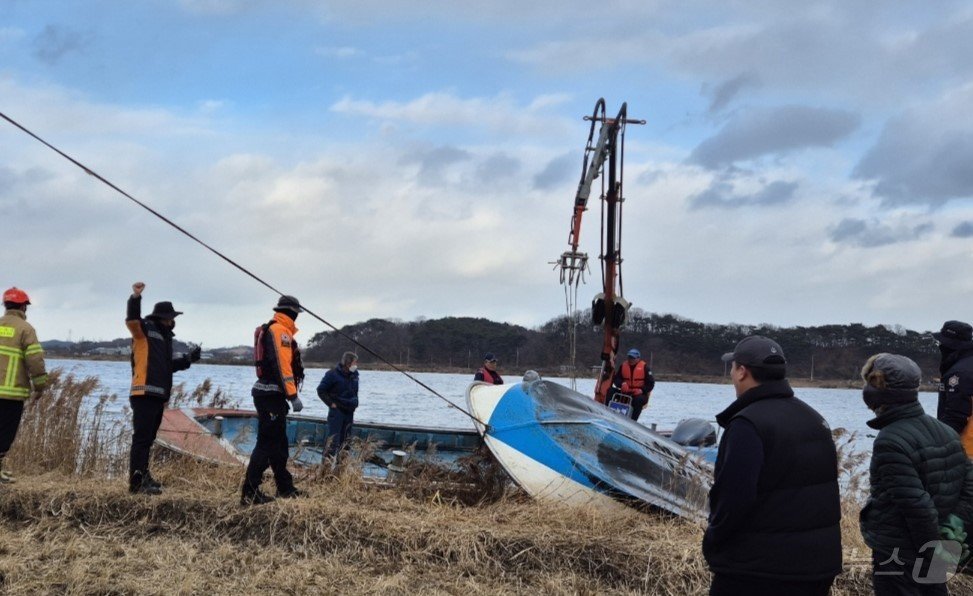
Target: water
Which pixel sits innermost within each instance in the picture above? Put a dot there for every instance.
(391, 397)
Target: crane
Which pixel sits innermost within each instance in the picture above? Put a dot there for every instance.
(609, 307)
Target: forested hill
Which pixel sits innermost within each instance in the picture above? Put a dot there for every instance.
(676, 346)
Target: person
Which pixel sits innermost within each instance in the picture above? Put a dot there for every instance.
(280, 374)
(338, 389)
(530, 376)
(920, 480)
(774, 504)
(21, 370)
(153, 365)
(955, 406)
(634, 378)
(488, 372)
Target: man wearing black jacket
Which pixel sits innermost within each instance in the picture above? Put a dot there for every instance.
(955, 406)
(152, 367)
(774, 506)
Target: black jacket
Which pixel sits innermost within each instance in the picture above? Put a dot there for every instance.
(152, 360)
(955, 389)
(774, 505)
(919, 475)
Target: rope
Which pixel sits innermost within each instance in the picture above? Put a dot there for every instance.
(246, 271)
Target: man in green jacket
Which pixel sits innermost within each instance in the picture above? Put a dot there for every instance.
(921, 498)
(22, 373)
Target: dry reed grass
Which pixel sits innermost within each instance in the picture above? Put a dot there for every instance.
(65, 530)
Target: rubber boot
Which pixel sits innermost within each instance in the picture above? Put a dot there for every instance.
(152, 481)
(254, 496)
(293, 493)
(139, 484)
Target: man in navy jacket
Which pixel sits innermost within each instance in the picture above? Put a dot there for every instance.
(339, 391)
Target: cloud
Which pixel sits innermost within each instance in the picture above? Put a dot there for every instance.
(498, 114)
(10, 34)
(757, 132)
(923, 155)
(723, 93)
(54, 42)
(434, 163)
(721, 194)
(220, 7)
(873, 233)
(338, 52)
(556, 172)
(963, 230)
(497, 167)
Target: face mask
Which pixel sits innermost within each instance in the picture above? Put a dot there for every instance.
(353, 368)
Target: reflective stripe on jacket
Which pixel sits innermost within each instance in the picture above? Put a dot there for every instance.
(152, 361)
(280, 351)
(21, 357)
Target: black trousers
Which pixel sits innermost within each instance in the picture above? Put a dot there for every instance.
(638, 402)
(893, 576)
(11, 411)
(146, 418)
(271, 449)
(739, 585)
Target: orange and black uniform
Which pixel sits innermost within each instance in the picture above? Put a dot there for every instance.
(279, 372)
(152, 369)
(640, 383)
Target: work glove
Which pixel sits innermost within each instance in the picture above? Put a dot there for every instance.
(195, 352)
(296, 404)
(954, 530)
(625, 388)
(949, 552)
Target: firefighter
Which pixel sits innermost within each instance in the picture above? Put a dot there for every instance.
(279, 377)
(152, 367)
(22, 373)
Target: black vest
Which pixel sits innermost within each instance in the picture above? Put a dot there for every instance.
(794, 531)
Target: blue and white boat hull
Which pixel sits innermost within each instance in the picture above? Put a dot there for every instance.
(560, 445)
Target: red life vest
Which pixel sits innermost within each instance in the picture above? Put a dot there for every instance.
(636, 378)
(488, 377)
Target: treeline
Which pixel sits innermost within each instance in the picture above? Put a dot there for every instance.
(674, 345)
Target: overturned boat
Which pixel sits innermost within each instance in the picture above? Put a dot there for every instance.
(227, 436)
(560, 445)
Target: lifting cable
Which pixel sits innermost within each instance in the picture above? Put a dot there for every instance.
(382, 359)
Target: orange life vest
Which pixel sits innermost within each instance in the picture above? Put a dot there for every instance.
(636, 378)
(967, 438)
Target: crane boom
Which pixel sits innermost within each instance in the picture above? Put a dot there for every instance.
(609, 307)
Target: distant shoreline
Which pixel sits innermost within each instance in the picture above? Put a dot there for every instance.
(796, 382)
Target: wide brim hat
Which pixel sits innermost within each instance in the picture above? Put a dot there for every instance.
(163, 310)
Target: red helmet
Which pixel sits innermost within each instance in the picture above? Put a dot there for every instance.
(16, 295)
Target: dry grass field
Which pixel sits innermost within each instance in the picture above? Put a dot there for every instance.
(69, 526)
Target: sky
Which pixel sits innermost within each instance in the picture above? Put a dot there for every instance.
(802, 163)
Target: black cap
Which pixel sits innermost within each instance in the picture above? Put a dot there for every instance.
(757, 351)
(955, 334)
(164, 310)
(288, 303)
(489, 357)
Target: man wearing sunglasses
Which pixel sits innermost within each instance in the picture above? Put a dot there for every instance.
(488, 372)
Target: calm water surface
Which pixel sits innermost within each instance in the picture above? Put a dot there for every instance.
(392, 397)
